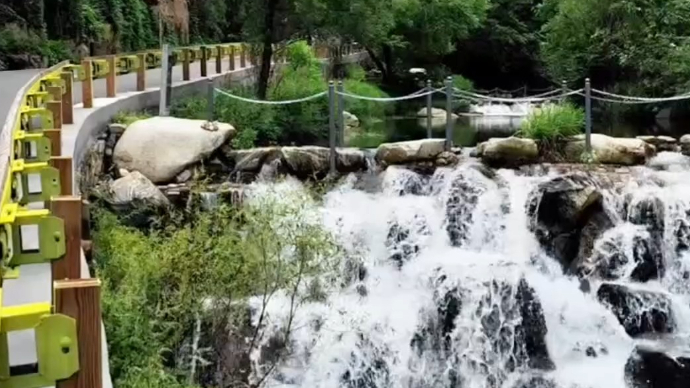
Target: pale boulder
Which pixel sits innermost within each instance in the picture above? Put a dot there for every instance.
(609, 150)
(508, 151)
(685, 145)
(134, 189)
(410, 151)
(162, 147)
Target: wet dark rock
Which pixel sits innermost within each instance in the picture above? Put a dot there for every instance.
(398, 241)
(648, 255)
(652, 369)
(567, 215)
(535, 382)
(647, 211)
(370, 371)
(640, 312)
(531, 332)
(465, 191)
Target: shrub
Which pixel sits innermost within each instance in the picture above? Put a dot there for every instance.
(366, 111)
(462, 83)
(158, 283)
(553, 122)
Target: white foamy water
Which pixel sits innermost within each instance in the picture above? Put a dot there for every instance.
(427, 299)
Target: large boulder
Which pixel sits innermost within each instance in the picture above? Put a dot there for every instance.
(567, 215)
(510, 151)
(410, 151)
(251, 160)
(640, 312)
(134, 189)
(162, 147)
(661, 143)
(351, 121)
(648, 368)
(685, 144)
(609, 150)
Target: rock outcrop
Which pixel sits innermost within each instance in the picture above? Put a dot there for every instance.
(609, 150)
(648, 368)
(563, 211)
(162, 147)
(303, 162)
(685, 145)
(639, 312)
(508, 152)
(135, 190)
(661, 143)
(410, 151)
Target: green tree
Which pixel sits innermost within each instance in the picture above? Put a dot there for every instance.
(639, 45)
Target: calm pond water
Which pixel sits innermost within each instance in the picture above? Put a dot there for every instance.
(471, 130)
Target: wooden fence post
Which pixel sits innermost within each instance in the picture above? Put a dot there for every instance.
(80, 299)
(141, 73)
(111, 78)
(219, 59)
(67, 114)
(185, 64)
(87, 84)
(64, 166)
(55, 136)
(203, 66)
(69, 208)
(243, 56)
(232, 58)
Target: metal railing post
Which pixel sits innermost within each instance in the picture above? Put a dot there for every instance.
(331, 124)
(588, 116)
(428, 109)
(564, 89)
(449, 113)
(163, 96)
(341, 115)
(210, 99)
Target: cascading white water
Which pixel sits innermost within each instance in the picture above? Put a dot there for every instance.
(442, 284)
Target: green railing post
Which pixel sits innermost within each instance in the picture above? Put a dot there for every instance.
(428, 109)
(331, 125)
(341, 115)
(449, 113)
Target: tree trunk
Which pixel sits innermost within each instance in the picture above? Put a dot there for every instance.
(379, 64)
(267, 53)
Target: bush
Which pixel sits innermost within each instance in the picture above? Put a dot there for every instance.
(158, 283)
(15, 41)
(553, 122)
(366, 111)
(462, 83)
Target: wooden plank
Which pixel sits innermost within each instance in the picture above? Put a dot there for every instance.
(64, 165)
(87, 85)
(69, 209)
(80, 299)
(219, 59)
(67, 113)
(141, 73)
(55, 107)
(185, 65)
(55, 136)
(202, 65)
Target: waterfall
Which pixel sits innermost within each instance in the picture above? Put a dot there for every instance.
(445, 282)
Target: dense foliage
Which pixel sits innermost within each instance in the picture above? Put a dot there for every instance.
(200, 267)
(301, 123)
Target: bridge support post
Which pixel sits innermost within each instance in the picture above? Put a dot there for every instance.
(428, 109)
(55, 137)
(588, 116)
(211, 103)
(204, 59)
(331, 125)
(141, 73)
(80, 299)
(219, 59)
(87, 84)
(69, 208)
(111, 78)
(67, 114)
(449, 113)
(232, 58)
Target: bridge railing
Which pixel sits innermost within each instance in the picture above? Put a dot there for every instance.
(41, 218)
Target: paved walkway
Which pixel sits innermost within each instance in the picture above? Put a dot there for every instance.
(10, 83)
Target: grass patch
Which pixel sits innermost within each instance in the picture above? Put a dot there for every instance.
(127, 117)
(552, 123)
